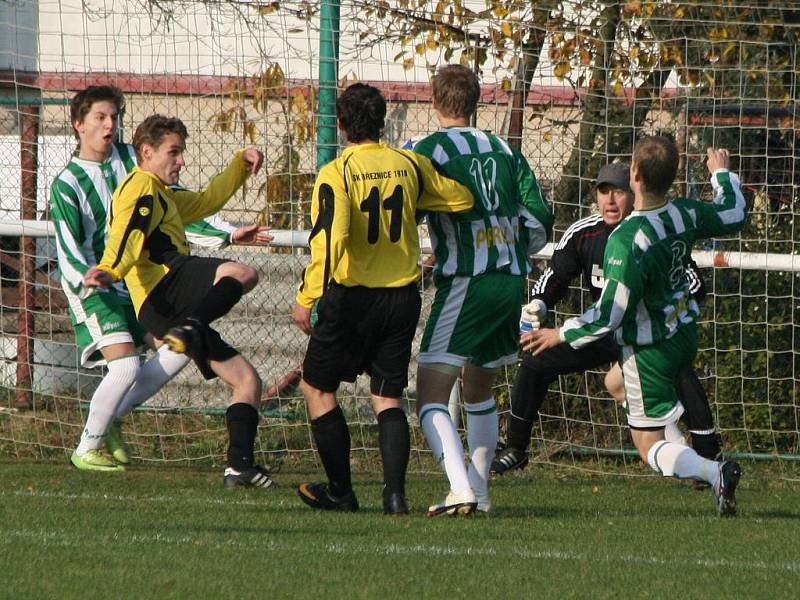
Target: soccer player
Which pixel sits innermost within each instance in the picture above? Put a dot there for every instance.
(581, 250)
(364, 270)
(646, 303)
(176, 295)
(104, 320)
(480, 277)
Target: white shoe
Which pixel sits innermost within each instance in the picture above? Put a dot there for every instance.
(456, 503)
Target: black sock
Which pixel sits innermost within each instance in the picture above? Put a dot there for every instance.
(242, 421)
(395, 444)
(706, 445)
(519, 433)
(222, 297)
(333, 444)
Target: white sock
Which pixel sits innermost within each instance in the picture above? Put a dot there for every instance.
(482, 441)
(445, 444)
(673, 433)
(155, 374)
(122, 372)
(674, 460)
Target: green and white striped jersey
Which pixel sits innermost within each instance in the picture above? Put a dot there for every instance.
(80, 197)
(646, 296)
(510, 219)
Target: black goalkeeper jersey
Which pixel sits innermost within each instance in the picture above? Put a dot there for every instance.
(580, 252)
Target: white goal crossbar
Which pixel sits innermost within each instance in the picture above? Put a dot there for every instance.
(754, 261)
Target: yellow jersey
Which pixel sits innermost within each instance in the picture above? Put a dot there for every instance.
(146, 224)
(364, 214)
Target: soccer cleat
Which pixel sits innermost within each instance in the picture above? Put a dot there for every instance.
(507, 460)
(456, 503)
(186, 338)
(93, 460)
(256, 476)
(725, 493)
(115, 444)
(395, 504)
(179, 339)
(317, 495)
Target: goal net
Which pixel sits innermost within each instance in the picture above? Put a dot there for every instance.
(571, 84)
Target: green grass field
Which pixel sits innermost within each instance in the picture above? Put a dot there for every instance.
(156, 532)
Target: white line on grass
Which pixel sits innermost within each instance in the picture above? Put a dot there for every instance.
(134, 499)
(55, 538)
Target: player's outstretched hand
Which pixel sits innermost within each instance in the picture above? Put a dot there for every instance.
(95, 277)
(251, 234)
(718, 158)
(302, 318)
(539, 340)
(254, 159)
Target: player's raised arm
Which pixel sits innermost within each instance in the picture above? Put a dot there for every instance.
(197, 205)
(728, 212)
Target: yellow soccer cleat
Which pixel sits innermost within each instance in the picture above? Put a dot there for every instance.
(93, 460)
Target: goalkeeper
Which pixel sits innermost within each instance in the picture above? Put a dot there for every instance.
(646, 304)
(580, 251)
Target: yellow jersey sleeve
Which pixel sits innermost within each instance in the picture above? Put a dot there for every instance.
(330, 217)
(439, 192)
(129, 225)
(193, 206)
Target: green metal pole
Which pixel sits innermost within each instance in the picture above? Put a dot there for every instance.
(328, 80)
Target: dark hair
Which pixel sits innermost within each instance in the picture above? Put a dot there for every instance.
(656, 159)
(361, 111)
(456, 90)
(82, 102)
(153, 129)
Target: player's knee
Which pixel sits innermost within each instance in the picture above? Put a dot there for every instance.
(125, 370)
(249, 278)
(244, 274)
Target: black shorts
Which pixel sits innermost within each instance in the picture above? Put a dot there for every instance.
(176, 297)
(363, 330)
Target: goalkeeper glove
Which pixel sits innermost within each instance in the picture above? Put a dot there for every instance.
(533, 315)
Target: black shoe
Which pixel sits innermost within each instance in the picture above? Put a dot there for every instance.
(317, 495)
(185, 338)
(255, 476)
(507, 460)
(394, 503)
(725, 494)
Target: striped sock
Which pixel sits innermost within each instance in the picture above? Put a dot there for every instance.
(674, 460)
